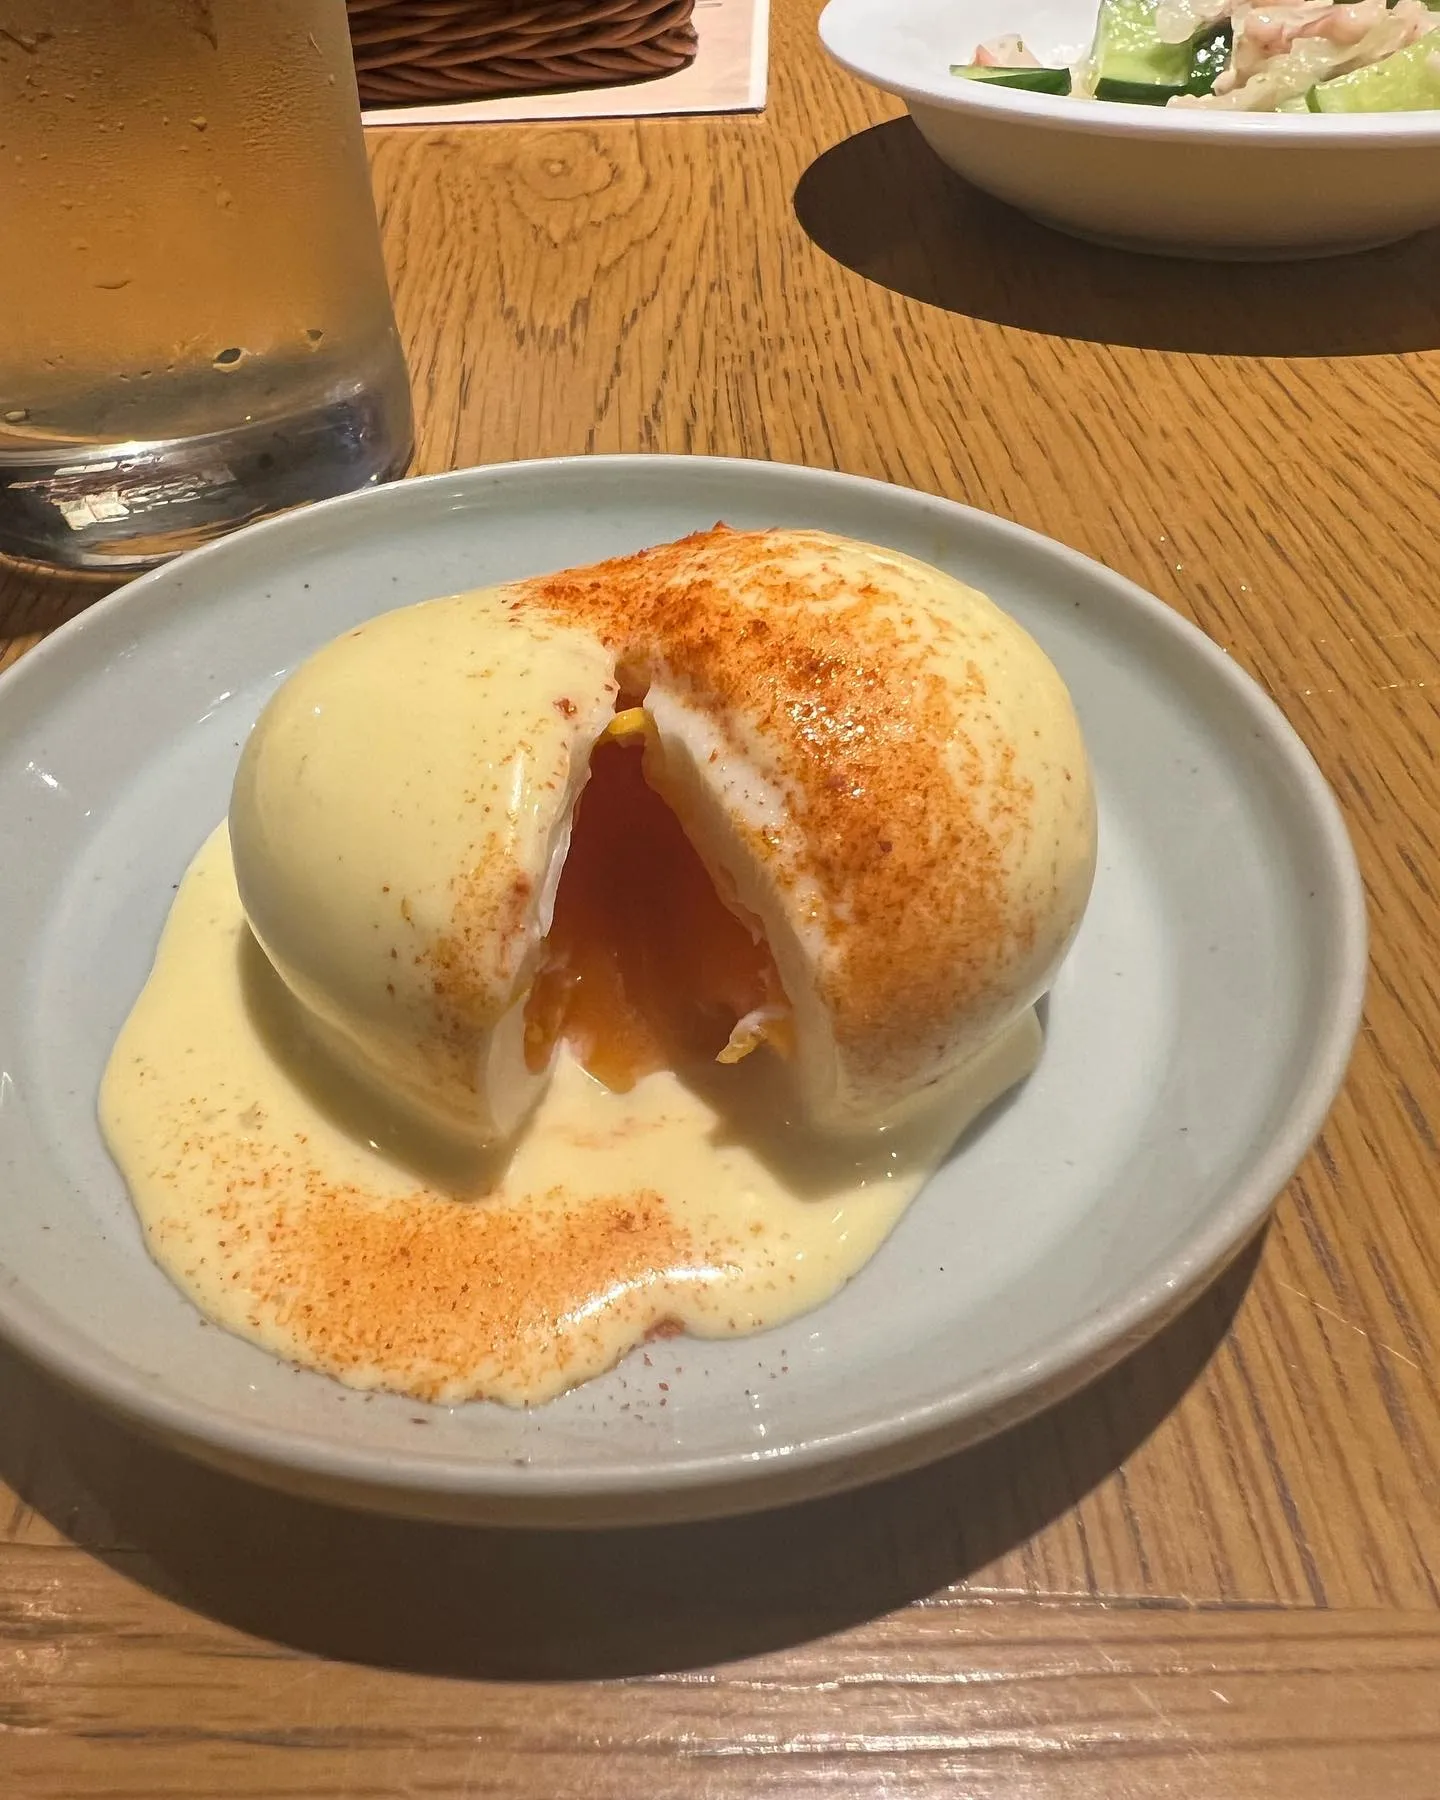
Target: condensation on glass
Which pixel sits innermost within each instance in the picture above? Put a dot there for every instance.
(195, 325)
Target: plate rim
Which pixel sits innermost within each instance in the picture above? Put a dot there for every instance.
(989, 1401)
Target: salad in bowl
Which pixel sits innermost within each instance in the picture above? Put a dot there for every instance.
(1238, 56)
(1271, 128)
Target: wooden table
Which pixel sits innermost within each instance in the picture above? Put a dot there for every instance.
(1215, 1575)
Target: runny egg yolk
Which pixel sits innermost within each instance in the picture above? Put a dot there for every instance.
(645, 966)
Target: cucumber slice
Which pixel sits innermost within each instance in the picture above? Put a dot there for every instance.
(1408, 81)
(1209, 58)
(1128, 49)
(1032, 81)
(1136, 93)
(1131, 62)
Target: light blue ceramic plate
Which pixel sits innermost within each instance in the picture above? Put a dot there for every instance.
(1197, 1036)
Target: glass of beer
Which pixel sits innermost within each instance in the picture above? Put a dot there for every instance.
(195, 325)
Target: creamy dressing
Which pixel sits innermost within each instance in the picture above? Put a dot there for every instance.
(299, 1210)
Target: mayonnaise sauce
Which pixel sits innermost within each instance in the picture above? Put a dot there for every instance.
(299, 1211)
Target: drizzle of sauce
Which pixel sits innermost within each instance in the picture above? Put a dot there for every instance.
(296, 1215)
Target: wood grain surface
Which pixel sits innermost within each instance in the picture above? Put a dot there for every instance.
(1214, 1575)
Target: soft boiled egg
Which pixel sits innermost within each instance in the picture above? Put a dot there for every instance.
(608, 952)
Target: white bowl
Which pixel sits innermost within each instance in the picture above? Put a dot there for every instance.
(1183, 183)
(1195, 1039)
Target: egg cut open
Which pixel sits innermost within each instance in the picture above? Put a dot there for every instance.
(769, 789)
(644, 966)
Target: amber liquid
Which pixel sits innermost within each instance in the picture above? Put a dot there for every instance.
(188, 246)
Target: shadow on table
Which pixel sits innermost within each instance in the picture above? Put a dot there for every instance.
(885, 206)
(534, 1605)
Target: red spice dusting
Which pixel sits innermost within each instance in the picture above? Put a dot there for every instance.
(469, 982)
(836, 678)
(427, 1292)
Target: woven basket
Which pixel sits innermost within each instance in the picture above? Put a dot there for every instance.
(409, 51)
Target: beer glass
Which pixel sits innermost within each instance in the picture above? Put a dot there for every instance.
(195, 326)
